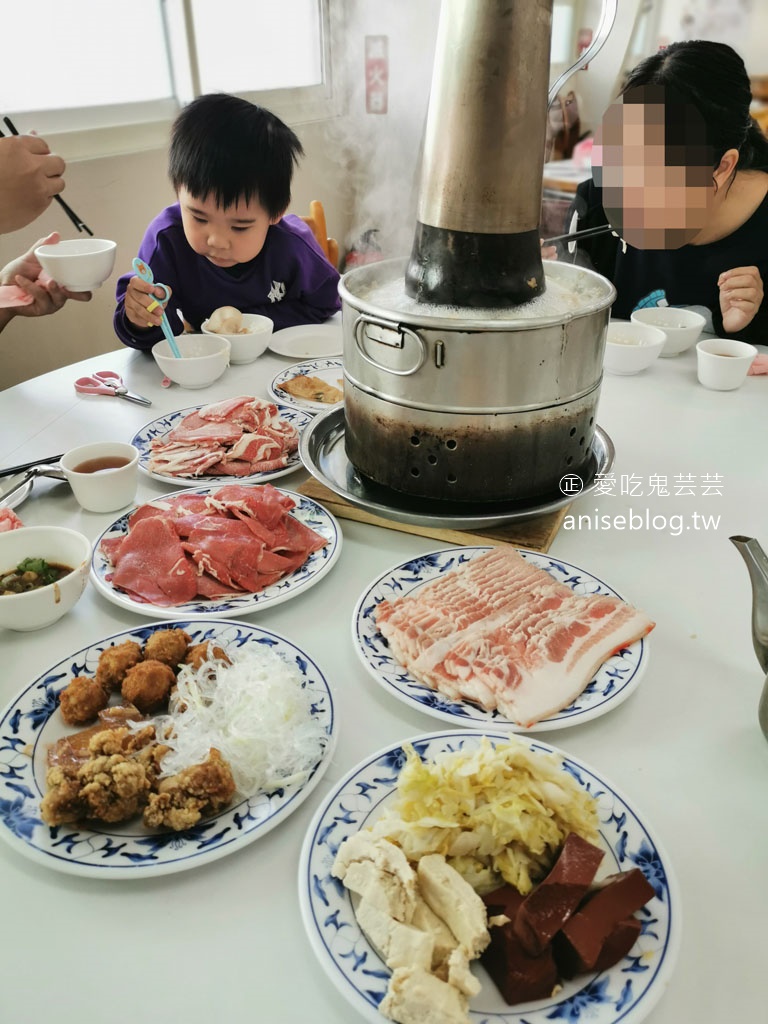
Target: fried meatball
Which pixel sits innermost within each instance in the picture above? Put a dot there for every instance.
(206, 651)
(115, 662)
(82, 700)
(147, 685)
(167, 645)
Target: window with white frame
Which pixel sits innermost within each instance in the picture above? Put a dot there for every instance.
(97, 65)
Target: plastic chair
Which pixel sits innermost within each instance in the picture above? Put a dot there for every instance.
(316, 221)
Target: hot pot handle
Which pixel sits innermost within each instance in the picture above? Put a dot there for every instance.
(603, 31)
(400, 331)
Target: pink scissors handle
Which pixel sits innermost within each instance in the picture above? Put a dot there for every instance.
(93, 386)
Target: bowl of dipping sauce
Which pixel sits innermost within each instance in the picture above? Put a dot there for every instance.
(80, 264)
(631, 348)
(204, 358)
(103, 475)
(681, 326)
(43, 573)
(722, 363)
(250, 341)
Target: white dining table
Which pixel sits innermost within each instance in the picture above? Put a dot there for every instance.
(226, 941)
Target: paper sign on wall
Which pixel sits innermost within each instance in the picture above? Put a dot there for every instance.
(376, 74)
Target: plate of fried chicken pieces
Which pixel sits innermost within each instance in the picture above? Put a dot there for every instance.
(128, 758)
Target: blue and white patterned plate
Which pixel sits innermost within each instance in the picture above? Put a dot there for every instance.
(626, 992)
(307, 575)
(32, 721)
(331, 371)
(163, 424)
(614, 681)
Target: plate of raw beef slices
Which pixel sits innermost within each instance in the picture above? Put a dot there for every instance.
(500, 637)
(220, 551)
(247, 439)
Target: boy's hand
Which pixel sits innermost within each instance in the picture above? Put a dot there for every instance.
(741, 293)
(138, 296)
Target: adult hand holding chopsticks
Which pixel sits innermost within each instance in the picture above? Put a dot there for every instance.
(30, 176)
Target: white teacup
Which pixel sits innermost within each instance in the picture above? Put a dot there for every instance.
(103, 475)
(722, 363)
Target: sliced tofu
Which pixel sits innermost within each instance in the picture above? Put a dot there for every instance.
(378, 871)
(444, 941)
(400, 945)
(455, 901)
(415, 996)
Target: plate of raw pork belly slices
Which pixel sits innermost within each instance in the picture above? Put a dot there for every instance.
(248, 439)
(105, 834)
(500, 637)
(197, 552)
(413, 795)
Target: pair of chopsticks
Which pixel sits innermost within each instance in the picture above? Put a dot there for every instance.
(77, 221)
(11, 470)
(574, 236)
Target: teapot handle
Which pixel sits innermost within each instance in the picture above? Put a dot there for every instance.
(607, 19)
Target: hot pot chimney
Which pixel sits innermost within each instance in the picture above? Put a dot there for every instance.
(476, 242)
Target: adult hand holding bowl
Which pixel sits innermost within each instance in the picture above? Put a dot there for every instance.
(79, 264)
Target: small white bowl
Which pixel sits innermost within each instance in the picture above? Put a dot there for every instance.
(80, 264)
(97, 486)
(204, 358)
(44, 606)
(630, 348)
(246, 347)
(681, 326)
(722, 363)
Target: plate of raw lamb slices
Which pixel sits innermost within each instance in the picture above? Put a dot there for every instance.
(481, 636)
(217, 551)
(248, 439)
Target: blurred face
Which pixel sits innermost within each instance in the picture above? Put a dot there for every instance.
(651, 201)
(225, 236)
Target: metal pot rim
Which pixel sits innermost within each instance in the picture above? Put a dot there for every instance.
(475, 322)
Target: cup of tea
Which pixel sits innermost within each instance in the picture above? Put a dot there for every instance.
(722, 363)
(103, 475)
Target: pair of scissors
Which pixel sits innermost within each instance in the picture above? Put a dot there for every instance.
(145, 273)
(107, 382)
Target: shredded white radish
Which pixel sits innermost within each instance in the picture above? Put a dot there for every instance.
(255, 712)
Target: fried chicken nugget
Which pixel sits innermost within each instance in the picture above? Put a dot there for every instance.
(114, 662)
(112, 785)
(82, 700)
(168, 645)
(205, 651)
(181, 800)
(147, 685)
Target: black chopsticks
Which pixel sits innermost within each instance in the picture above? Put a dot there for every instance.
(51, 460)
(77, 221)
(574, 236)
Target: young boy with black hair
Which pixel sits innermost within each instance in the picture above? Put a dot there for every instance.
(226, 242)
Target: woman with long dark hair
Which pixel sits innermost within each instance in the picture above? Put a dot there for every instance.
(680, 171)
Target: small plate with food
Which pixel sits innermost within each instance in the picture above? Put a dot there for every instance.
(421, 884)
(86, 789)
(247, 439)
(220, 551)
(315, 385)
(500, 637)
(309, 341)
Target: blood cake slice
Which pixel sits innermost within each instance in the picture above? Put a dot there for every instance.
(499, 631)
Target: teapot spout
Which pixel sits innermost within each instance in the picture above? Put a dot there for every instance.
(757, 564)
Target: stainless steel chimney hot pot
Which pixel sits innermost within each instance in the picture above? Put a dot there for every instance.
(471, 375)
(464, 408)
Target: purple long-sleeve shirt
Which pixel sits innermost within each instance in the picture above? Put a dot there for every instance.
(290, 281)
